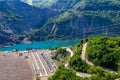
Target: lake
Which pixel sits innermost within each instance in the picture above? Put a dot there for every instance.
(41, 45)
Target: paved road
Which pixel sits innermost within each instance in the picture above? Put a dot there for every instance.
(83, 74)
(71, 54)
(83, 55)
(77, 73)
(84, 58)
(69, 50)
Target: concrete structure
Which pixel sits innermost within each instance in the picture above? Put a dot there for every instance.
(42, 63)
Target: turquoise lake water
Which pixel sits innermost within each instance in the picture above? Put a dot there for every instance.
(41, 45)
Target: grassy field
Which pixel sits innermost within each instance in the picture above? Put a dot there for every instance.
(13, 67)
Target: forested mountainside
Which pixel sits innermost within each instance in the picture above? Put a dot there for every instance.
(102, 51)
(59, 19)
(82, 18)
(105, 51)
(19, 18)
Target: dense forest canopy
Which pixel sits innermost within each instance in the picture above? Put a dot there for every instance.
(104, 51)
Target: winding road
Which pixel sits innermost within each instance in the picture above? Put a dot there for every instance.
(71, 55)
(84, 58)
(83, 55)
(67, 64)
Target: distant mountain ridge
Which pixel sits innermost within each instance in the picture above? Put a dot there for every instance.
(37, 3)
(60, 19)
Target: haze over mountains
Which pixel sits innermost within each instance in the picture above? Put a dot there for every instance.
(57, 19)
(37, 3)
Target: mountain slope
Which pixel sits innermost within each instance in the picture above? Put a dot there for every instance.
(77, 19)
(29, 16)
(36, 3)
(95, 17)
(17, 17)
(104, 51)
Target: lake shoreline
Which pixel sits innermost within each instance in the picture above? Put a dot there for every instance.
(48, 44)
